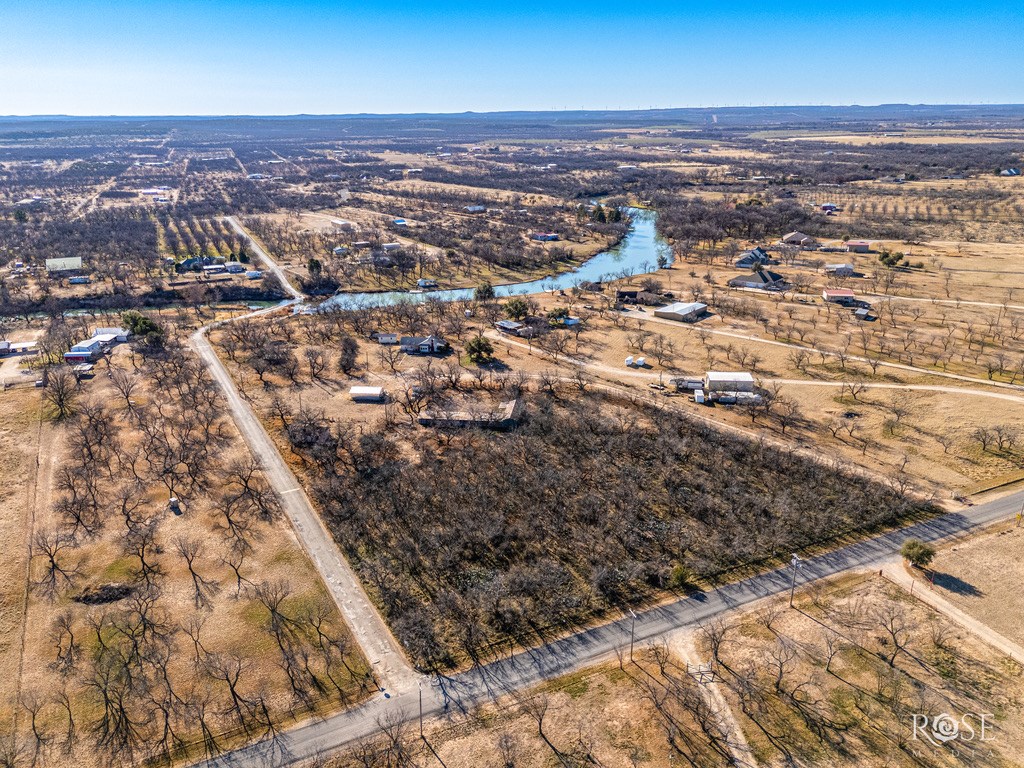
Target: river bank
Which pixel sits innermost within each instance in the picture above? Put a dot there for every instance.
(638, 251)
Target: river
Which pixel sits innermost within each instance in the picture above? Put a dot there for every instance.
(640, 247)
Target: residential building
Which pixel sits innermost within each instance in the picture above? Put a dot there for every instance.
(762, 279)
(504, 416)
(423, 345)
(799, 239)
(510, 326)
(119, 334)
(839, 270)
(84, 352)
(753, 259)
(858, 246)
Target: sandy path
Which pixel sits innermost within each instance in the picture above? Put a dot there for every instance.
(897, 574)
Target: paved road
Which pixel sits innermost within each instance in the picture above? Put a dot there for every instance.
(458, 693)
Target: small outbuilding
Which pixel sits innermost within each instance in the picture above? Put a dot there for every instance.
(64, 264)
(367, 394)
(858, 246)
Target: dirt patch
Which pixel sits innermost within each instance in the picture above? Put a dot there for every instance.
(982, 577)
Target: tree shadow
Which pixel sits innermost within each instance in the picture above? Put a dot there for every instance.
(956, 585)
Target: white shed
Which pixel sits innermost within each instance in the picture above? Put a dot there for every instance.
(686, 312)
(367, 394)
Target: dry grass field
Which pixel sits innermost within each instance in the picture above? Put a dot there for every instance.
(982, 576)
(20, 433)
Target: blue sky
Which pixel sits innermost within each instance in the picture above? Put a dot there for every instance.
(188, 57)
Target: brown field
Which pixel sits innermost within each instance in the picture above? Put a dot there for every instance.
(20, 431)
(982, 576)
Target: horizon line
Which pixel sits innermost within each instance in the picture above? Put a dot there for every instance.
(484, 113)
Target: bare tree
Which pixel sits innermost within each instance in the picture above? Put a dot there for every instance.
(50, 547)
(202, 589)
(897, 627)
(61, 391)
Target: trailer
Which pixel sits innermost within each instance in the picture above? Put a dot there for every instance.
(367, 394)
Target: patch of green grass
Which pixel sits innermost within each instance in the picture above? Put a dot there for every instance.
(120, 570)
(575, 685)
